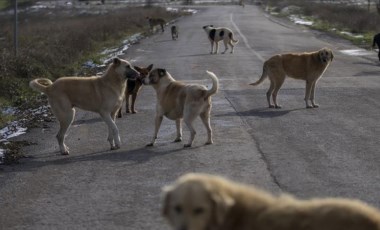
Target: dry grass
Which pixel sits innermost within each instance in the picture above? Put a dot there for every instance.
(53, 44)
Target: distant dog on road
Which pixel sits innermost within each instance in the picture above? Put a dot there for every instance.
(305, 66)
(177, 101)
(156, 22)
(376, 41)
(216, 34)
(205, 202)
(103, 95)
(132, 89)
(174, 30)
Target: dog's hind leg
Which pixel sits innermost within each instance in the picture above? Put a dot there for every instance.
(205, 117)
(277, 87)
(113, 131)
(178, 124)
(232, 46)
(65, 119)
(190, 113)
(269, 94)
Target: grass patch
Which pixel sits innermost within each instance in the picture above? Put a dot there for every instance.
(337, 18)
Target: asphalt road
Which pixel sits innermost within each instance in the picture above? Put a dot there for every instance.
(329, 151)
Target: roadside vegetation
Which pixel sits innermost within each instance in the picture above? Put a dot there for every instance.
(55, 43)
(356, 23)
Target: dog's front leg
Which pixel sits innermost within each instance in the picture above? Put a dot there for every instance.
(312, 95)
(178, 124)
(307, 94)
(212, 47)
(216, 47)
(158, 122)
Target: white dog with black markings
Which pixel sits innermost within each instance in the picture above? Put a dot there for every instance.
(177, 101)
(216, 34)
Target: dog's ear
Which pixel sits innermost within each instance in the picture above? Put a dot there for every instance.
(116, 61)
(137, 68)
(221, 205)
(166, 196)
(150, 67)
(161, 72)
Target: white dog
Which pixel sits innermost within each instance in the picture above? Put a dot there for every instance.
(220, 33)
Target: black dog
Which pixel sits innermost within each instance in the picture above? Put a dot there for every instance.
(376, 41)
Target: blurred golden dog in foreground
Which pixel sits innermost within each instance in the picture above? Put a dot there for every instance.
(205, 202)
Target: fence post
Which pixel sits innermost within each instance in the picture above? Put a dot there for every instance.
(15, 35)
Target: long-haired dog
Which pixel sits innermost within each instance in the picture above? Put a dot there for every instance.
(103, 95)
(217, 34)
(206, 202)
(178, 101)
(305, 66)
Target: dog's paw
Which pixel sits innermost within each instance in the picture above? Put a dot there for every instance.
(315, 106)
(309, 107)
(115, 147)
(65, 153)
(134, 111)
(271, 106)
(209, 143)
(278, 106)
(187, 145)
(178, 139)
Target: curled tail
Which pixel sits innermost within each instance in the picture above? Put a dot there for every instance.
(231, 35)
(215, 84)
(40, 84)
(263, 76)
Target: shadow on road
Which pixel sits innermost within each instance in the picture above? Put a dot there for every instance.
(261, 112)
(134, 156)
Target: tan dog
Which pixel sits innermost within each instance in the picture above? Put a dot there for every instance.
(305, 66)
(178, 101)
(103, 95)
(217, 34)
(205, 202)
(132, 89)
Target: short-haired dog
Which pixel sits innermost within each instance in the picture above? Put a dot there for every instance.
(216, 34)
(103, 95)
(178, 101)
(305, 66)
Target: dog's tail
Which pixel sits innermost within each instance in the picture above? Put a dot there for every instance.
(231, 35)
(40, 84)
(263, 75)
(215, 84)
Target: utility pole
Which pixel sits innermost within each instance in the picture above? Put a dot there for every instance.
(15, 35)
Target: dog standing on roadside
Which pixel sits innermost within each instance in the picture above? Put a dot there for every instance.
(305, 66)
(132, 89)
(376, 41)
(177, 101)
(156, 22)
(174, 30)
(103, 95)
(216, 34)
(205, 202)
